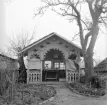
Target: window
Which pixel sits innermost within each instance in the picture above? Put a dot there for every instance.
(47, 64)
(62, 65)
(56, 65)
(59, 65)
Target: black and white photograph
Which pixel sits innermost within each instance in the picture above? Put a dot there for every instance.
(53, 52)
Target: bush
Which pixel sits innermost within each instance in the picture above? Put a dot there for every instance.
(103, 83)
(82, 79)
(3, 87)
(86, 91)
(94, 81)
(97, 82)
(47, 92)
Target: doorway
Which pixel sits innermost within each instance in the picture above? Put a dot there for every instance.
(54, 66)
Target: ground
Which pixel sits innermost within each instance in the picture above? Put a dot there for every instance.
(28, 94)
(63, 96)
(66, 97)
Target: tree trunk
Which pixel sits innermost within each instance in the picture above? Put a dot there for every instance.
(21, 63)
(88, 58)
(22, 69)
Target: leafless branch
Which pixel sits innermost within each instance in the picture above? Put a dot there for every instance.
(90, 2)
(104, 21)
(75, 36)
(71, 9)
(19, 42)
(64, 14)
(85, 24)
(102, 31)
(42, 9)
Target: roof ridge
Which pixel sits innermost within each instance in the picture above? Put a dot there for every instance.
(101, 63)
(7, 57)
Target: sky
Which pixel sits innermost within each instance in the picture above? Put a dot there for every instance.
(18, 16)
(2, 23)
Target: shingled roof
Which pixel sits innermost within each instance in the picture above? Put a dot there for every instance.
(101, 67)
(7, 63)
(6, 57)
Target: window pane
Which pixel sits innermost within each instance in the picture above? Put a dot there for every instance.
(47, 64)
(56, 65)
(62, 66)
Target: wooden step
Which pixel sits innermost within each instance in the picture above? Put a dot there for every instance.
(50, 78)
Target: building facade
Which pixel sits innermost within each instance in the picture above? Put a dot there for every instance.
(8, 69)
(101, 69)
(52, 58)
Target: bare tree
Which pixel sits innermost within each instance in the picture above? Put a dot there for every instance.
(88, 24)
(17, 43)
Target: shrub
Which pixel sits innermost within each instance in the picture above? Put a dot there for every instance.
(47, 92)
(103, 83)
(86, 91)
(97, 82)
(82, 79)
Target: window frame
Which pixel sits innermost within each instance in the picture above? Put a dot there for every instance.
(49, 67)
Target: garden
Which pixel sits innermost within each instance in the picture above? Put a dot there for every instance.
(29, 95)
(91, 89)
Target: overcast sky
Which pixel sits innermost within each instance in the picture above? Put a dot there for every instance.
(19, 16)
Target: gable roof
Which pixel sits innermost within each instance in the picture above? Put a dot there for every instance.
(6, 57)
(44, 38)
(102, 66)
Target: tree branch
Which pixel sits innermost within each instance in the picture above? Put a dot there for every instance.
(85, 24)
(86, 38)
(90, 8)
(65, 13)
(79, 23)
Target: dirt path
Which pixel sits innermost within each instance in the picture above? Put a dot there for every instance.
(66, 97)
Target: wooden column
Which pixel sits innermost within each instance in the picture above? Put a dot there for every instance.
(41, 58)
(66, 57)
(27, 75)
(66, 69)
(41, 69)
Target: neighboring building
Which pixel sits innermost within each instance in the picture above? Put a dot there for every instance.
(52, 58)
(101, 69)
(8, 65)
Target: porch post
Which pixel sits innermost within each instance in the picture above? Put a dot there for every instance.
(41, 58)
(66, 57)
(41, 69)
(66, 68)
(27, 75)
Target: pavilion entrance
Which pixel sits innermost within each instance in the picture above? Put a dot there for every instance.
(54, 66)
